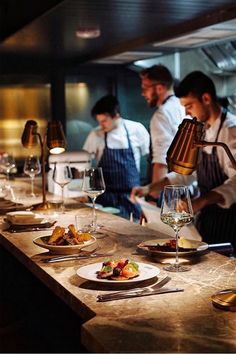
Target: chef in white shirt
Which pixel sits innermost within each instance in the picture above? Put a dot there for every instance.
(118, 145)
(216, 205)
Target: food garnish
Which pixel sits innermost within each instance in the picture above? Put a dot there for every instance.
(121, 269)
(169, 246)
(60, 237)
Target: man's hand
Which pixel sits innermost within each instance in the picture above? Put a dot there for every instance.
(138, 192)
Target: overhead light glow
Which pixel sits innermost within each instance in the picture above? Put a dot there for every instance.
(88, 32)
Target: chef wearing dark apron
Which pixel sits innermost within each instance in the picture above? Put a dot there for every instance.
(120, 175)
(118, 145)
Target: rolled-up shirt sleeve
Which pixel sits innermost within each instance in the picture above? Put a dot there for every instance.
(162, 136)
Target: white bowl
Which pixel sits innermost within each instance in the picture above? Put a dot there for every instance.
(67, 249)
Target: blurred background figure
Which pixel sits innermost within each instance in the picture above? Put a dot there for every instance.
(118, 145)
(157, 85)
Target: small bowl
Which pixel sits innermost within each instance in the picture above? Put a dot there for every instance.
(66, 249)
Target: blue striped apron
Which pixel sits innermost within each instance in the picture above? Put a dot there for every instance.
(120, 175)
(215, 224)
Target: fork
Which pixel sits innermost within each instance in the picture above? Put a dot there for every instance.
(157, 285)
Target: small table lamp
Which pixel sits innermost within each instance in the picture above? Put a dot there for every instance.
(54, 139)
(182, 155)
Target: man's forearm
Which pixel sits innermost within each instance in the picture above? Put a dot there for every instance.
(210, 198)
(159, 171)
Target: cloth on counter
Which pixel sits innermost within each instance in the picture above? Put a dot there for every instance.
(152, 215)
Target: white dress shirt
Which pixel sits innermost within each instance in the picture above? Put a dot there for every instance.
(117, 139)
(163, 127)
(227, 135)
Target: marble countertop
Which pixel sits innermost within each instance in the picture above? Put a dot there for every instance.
(185, 322)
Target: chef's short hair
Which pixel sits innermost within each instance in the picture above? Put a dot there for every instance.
(158, 73)
(196, 84)
(108, 104)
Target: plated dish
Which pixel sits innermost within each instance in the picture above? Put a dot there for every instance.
(150, 248)
(67, 249)
(89, 272)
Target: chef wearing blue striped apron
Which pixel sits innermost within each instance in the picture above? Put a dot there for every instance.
(214, 223)
(120, 175)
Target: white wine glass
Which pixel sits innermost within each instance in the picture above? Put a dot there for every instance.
(32, 168)
(93, 185)
(176, 211)
(62, 175)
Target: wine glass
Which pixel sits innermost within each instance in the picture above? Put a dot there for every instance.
(32, 168)
(62, 175)
(93, 185)
(8, 162)
(176, 211)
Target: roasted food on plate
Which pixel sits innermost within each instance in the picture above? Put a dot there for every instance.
(121, 269)
(170, 245)
(60, 237)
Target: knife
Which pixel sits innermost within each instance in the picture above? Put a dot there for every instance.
(74, 257)
(156, 286)
(145, 292)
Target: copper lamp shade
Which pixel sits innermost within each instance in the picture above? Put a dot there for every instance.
(29, 136)
(56, 141)
(182, 155)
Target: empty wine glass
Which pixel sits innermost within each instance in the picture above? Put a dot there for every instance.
(93, 185)
(176, 211)
(7, 162)
(62, 175)
(32, 168)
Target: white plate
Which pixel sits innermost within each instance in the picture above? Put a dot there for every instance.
(89, 272)
(201, 249)
(67, 249)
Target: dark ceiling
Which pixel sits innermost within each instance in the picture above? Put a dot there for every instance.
(45, 30)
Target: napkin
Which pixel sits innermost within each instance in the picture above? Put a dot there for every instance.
(24, 217)
(152, 215)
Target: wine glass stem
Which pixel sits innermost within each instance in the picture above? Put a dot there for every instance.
(62, 197)
(32, 185)
(94, 222)
(177, 249)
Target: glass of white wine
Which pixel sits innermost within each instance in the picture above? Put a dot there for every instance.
(176, 211)
(32, 168)
(93, 185)
(62, 175)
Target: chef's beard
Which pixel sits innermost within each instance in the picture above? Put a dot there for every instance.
(154, 100)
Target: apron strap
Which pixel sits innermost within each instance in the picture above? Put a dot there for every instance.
(222, 119)
(127, 134)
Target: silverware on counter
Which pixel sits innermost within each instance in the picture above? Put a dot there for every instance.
(75, 257)
(134, 292)
(27, 229)
(138, 294)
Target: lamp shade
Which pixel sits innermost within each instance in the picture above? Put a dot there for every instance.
(182, 155)
(56, 141)
(29, 136)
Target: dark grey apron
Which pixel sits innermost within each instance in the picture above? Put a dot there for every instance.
(214, 223)
(120, 175)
